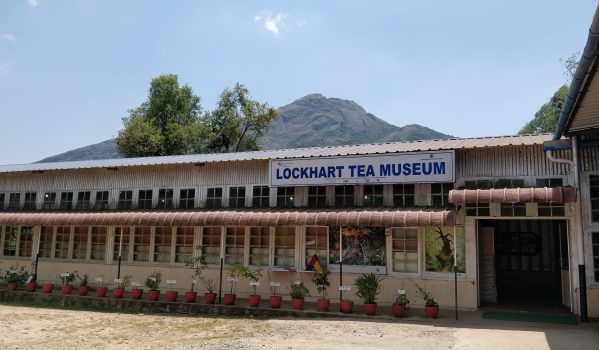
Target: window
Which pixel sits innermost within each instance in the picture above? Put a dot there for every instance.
(46, 234)
(285, 197)
(373, 196)
(211, 245)
(594, 182)
(261, 196)
(403, 195)
(344, 196)
(184, 244)
(165, 198)
(236, 197)
(513, 209)
(122, 236)
(478, 209)
(595, 239)
(509, 183)
(187, 198)
(80, 237)
(10, 241)
(405, 249)
(49, 201)
(30, 199)
(98, 249)
(101, 200)
(259, 243)
(317, 239)
(61, 245)
(317, 196)
(234, 243)
(214, 197)
(162, 244)
(83, 200)
(2, 197)
(141, 244)
(66, 201)
(125, 200)
(144, 200)
(14, 201)
(284, 247)
(440, 194)
(478, 184)
(549, 208)
(26, 241)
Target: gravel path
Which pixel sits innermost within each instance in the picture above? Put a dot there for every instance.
(38, 328)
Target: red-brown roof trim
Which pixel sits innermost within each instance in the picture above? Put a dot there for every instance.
(514, 195)
(375, 217)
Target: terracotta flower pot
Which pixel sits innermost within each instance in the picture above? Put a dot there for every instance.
(431, 311)
(297, 303)
(322, 305)
(153, 295)
(209, 298)
(30, 287)
(398, 310)
(229, 299)
(82, 290)
(66, 289)
(12, 285)
(118, 292)
(276, 301)
(136, 293)
(101, 292)
(47, 287)
(346, 306)
(370, 309)
(172, 295)
(190, 297)
(254, 300)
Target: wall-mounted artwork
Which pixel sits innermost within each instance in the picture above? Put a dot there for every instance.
(358, 246)
(439, 248)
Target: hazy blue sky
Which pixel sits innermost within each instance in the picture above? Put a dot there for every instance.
(69, 70)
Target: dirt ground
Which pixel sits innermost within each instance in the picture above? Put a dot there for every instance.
(38, 328)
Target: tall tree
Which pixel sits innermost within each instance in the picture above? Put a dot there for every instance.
(545, 119)
(237, 122)
(168, 123)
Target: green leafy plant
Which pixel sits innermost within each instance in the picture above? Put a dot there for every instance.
(368, 286)
(124, 282)
(299, 290)
(16, 274)
(84, 280)
(199, 264)
(321, 280)
(401, 299)
(235, 271)
(68, 277)
(253, 275)
(426, 295)
(153, 280)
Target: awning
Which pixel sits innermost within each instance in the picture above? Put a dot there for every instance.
(514, 195)
(374, 217)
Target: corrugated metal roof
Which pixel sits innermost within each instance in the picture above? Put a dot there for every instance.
(364, 149)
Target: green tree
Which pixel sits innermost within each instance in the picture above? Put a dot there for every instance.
(545, 119)
(168, 123)
(237, 122)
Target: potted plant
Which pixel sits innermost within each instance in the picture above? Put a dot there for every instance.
(119, 290)
(200, 265)
(234, 271)
(47, 287)
(298, 292)
(400, 305)
(68, 278)
(30, 282)
(368, 286)
(431, 307)
(83, 287)
(321, 281)
(101, 290)
(275, 300)
(15, 277)
(136, 292)
(152, 282)
(171, 295)
(253, 276)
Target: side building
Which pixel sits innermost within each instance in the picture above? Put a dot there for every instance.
(497, 209)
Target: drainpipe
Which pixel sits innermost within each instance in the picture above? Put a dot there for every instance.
(582, 279)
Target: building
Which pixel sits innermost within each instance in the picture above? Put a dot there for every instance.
(498, 207)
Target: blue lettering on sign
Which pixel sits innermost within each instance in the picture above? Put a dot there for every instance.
(362, 170)
(352, 169)
(439, 168)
